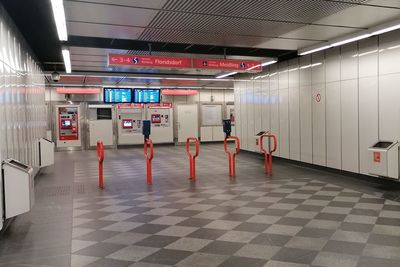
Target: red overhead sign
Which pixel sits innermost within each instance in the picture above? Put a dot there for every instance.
(227, 64)
(184, 62)
(149, 61)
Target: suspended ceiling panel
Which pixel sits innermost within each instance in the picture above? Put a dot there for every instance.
(289, 44)
(108, 14)
(132, 3)
(103, 30)
(304, 11)
(362, 16)
(317, 32)
(388, 3)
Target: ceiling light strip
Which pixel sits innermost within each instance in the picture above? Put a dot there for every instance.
(352, 38)
(67, 60)
(59, 18)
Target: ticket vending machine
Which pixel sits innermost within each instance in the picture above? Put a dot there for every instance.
(161, 118)
(130, 123)
(68, 126)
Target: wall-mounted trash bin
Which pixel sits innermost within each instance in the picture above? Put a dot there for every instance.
(19, 195)
(46, 152)
(384, 159)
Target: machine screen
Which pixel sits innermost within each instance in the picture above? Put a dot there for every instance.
(127, 124)
(146, 95)
(156, 118)
(117, 95)
(66, 124)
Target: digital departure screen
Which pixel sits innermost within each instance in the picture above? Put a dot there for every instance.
(117, 95)
(146, 95)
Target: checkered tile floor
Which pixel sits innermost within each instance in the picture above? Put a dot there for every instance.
(289, 222)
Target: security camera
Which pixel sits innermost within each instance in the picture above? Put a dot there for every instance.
(55, 76)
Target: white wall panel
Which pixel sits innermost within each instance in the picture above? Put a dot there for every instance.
(274, 98)
(318, 68)
(217, 95)
(305, 70)
(238, 104)
(333, 126)
(257, 106)
(228, 96)
(205, 95)
(349, 107)
(283, 141)
(294, 79)
(368, 57)
(318, 124)
(332, 61)
(265, 109)
(306, 123)
(349, 62)
(368, 96)
(283, 75)
(358, 85)
(250, 115)
(243, 114)
(389, 53)
(389, 108)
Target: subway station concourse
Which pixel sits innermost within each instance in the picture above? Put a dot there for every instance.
(200, 133)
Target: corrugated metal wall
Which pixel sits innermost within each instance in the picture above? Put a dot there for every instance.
(22, 103)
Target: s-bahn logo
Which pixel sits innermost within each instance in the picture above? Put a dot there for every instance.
(242, 65)
(135, 60)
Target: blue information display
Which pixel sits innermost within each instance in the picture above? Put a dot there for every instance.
(117, 95)
(146, 95)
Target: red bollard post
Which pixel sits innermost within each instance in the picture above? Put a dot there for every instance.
(149, 157)
(268, 154)
(100, 157)
(232, 156)
(192, 158)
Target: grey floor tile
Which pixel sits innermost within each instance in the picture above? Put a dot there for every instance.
(157, 241)
(202, 260)
(257, 251)
(149, 228)
(127, 238)
(98, 236)
(167, 257)
(222, 247)
(344, 247)
(189, 244)
(295, 255)
(375, 262)
(132, 253)
(99, 250)
(204, 233)
(109, 263)
(271, 239)
(335, 260)
(236, 261)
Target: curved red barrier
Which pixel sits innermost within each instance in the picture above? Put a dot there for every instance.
(232, 156)
(100, 158)
(192, 158)
(148, 157)
(268, 154)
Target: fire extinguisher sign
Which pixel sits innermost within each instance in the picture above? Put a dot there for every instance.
(377, 157)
